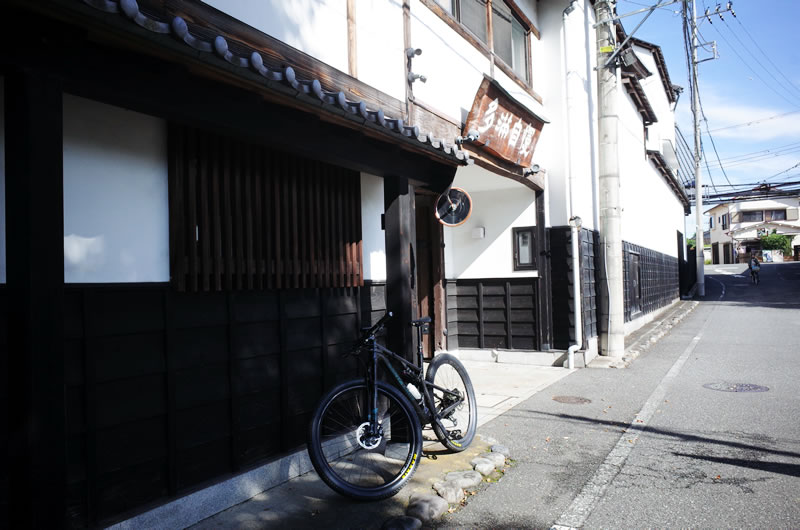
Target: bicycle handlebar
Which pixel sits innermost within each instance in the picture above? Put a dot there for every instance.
(378, 325)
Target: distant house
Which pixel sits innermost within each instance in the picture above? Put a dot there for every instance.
(736, 227)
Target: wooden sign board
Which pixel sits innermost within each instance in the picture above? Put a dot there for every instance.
(507, 129)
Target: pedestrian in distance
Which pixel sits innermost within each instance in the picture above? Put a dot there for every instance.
(755, 266)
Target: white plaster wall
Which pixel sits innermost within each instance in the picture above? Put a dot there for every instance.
(2, 183)
(316, 27)
(651, 213)
(498, 205)
(563, 67)
(373, 236)
(664, 128)
(453, 67)
(116, 222)
(379, 46)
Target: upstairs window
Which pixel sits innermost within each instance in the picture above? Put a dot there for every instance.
(509, 31)
(725, 221)
(753, 216)
(775, 215)
(510, 39)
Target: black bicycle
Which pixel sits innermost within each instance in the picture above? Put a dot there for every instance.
(365, 438)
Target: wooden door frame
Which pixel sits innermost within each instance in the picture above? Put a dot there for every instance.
(439, 306)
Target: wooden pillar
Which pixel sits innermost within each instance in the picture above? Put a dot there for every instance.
(35, 281)
(400, 226)
(544, 317)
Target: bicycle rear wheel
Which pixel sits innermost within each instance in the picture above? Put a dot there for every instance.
(455, 412)
(349, 461)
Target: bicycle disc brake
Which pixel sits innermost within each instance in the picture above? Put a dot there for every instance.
(366, 440)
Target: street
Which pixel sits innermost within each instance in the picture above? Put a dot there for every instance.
(700, 431)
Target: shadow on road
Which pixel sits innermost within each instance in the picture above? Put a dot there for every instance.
(693, 438)
(781, 468)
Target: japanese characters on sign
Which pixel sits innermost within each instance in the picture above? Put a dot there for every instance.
(506, 128)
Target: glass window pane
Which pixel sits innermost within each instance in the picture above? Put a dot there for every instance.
(501, 32)
(473, 15)
(520, 50)
(447, 5)
(524, 245)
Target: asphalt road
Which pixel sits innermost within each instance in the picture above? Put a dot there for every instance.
(701, 431)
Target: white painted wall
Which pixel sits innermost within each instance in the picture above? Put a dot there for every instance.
(651, 213)
(2, 183)
(316, 27)
(563, 64)
(453, 67)
(373, 236)
(116, 222)
(379, 46)
(498, 205)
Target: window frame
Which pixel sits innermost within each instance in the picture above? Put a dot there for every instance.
(452, 18)
(769, 215)
(515, 232)
(746, 213)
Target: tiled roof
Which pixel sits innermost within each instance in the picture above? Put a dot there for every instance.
(311, 88)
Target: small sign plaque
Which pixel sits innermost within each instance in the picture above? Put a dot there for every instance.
(507, 129)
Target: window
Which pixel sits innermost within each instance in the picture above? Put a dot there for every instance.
(509, 31)
(776, 215)
(752, 217)
(246, 217)
(725, 221)
(524, 248)
(510, 39)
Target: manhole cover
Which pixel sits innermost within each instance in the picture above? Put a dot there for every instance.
(736, 387)
(572, 400)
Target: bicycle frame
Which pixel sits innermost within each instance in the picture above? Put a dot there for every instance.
(426, 412)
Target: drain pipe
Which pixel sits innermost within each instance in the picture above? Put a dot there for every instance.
(575, 226)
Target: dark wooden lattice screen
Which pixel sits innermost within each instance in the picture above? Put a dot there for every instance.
(244, 216)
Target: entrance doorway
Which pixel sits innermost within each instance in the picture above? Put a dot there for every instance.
(430, 273)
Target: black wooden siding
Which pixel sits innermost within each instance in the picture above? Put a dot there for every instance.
(4, 416)
(167, 391)
(590, 267)
(492, 313)
(659, 276)
(561, 259)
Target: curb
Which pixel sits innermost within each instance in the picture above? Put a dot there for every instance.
(643, 343)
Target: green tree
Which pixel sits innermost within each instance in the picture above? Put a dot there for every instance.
(777, 242)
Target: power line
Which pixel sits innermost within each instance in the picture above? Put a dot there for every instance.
(766, 56)
(733, 49)
(753, 122)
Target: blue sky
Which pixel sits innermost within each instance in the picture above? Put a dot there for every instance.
(755, 80)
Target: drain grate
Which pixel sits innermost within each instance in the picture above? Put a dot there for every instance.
(736, 387)
(572, 400)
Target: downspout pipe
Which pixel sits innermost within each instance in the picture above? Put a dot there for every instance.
(575, 226)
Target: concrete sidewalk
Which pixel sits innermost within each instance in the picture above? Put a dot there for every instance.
(289, 494)
(306, 502)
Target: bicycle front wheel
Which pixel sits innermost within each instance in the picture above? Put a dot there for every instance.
(354, 462)
(455, 412)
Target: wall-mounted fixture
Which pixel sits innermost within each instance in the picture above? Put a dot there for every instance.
(479, 232)
(410, 54)
(528, 171)
(471, 136)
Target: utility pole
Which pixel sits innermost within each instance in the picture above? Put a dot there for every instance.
(698, 185)
(608, 81)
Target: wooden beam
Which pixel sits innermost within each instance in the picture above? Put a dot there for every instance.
(35, 283)
(352, 43)
(400, 254)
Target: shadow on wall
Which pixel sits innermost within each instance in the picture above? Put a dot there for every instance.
(492, 255)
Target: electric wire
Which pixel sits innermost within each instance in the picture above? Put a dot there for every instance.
(754, 122)
(755, 73)
(755, 42)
